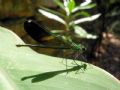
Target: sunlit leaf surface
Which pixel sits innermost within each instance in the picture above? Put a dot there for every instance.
(21, 68)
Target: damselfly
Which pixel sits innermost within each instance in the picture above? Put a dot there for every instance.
(40, 33)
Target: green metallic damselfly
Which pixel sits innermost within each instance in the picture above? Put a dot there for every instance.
(40, 33)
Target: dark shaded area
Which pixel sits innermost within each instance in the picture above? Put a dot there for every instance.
(108, 57)
(106, 49)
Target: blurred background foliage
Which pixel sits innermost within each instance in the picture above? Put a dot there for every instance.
(103, 51)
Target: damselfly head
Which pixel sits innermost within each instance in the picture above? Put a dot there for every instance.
(36, 31)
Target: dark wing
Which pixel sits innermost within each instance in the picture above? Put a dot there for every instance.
(36, 31)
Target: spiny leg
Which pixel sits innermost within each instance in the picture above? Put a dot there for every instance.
(74, 60)
(83, 66)
(64, 58)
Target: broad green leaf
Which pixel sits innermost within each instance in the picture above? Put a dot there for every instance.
(83, 7)
(21, 68)
(82, 33)
(5, 83)
(86, 19)
(51, 16)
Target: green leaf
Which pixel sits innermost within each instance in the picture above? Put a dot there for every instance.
(82, 13)
(52, 16)
(82, 33)
(86, 2)
(53, 12)
(71, 5)
(83, 7)
(86, 19)
(21, 68)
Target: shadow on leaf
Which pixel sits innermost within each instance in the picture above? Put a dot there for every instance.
(47, 75)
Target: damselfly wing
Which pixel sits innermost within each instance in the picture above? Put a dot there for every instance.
(36, 32)
(40, 34)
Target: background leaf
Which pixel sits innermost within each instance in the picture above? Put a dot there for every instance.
(71, 5)
(51, 16)
(86, 19)
(82, 13)
(86, 2)
(23, 69)
(81, 33)
(77, 8)
(53, 12)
